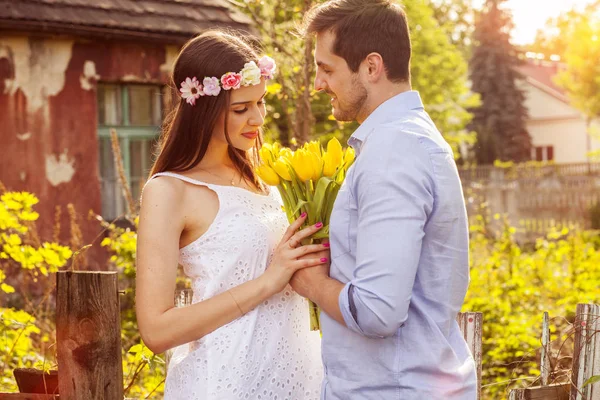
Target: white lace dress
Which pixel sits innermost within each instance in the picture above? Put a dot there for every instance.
(269, 353)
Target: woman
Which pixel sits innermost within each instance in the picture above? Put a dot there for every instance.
(204, 207)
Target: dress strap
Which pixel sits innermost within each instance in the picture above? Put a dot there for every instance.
(183, 178)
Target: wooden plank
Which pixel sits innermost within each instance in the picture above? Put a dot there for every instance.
(471, 325)
(551, 392)
(88, 331)
(545, 359)
(586, 352)
(27, 396)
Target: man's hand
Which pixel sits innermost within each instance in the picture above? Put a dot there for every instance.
(307, 280)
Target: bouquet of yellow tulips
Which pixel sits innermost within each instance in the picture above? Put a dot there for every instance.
(308, 180)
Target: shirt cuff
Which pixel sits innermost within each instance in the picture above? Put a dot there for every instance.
(345, 303)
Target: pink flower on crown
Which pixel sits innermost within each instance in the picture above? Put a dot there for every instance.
(211, 86)
(191, 90)
(231, 80)
(267, 67)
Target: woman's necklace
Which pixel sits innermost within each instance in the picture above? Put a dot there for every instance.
(220, 177)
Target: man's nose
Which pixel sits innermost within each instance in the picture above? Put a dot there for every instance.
(320, 84)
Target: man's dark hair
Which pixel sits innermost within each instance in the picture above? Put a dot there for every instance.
(362, 27)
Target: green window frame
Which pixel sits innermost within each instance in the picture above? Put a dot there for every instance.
(135, 112)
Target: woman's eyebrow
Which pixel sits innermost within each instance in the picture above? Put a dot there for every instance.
(248, 101)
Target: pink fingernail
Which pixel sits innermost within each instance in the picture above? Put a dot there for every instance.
(303, 215)
(324, 259)
(326, 244)
(319, 225)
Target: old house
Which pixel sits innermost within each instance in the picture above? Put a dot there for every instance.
(558, 130)
(70, 70)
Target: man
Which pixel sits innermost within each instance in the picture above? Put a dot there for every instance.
(399, 234)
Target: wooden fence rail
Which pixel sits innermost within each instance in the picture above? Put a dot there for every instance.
(89, 344)
(586, 361)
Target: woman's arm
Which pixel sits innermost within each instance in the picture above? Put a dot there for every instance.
(163, 326)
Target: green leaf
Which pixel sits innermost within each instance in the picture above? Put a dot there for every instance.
(592, 380)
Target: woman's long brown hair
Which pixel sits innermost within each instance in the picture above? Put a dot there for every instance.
(187, 129)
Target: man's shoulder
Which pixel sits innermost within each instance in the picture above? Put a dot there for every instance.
(410, 133)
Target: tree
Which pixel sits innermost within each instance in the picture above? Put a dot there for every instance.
(557, 32)
(581, 78)
(297, 112)
(456, 17)
(439, 72)
(500, 120)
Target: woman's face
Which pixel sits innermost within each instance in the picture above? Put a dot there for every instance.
(246, 114)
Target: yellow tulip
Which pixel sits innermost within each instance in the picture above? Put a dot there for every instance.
(268, 175)
(349, 157)
(314, 147)
(330, 166)
(316, 165)
(286, 154)
(281, 167)
(266, 156)
(275, 150)
(334, 148)
(302, 164)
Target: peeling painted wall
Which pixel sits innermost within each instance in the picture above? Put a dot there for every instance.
(48, 115)
(39, 66)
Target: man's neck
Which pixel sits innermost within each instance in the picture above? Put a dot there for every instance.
(379, 96)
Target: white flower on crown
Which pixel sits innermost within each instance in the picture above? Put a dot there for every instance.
(250, 74)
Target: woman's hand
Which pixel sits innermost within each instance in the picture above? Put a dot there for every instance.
(291, 256)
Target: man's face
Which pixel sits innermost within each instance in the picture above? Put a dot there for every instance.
(348, 93)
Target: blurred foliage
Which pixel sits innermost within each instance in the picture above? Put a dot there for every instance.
(438, 68)
(513, 283)
(27, 284)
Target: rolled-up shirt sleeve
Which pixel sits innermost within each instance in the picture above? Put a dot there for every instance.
(394, 197)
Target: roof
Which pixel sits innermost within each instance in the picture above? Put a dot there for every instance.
(165, 20)
(541, 75)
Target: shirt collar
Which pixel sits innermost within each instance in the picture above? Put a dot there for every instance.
(387, 111)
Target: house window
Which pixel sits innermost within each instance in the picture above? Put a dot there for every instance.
(542, 153)
(135, 112)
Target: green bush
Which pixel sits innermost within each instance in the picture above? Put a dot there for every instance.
(513, 284)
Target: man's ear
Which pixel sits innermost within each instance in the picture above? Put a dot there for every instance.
(374, 67)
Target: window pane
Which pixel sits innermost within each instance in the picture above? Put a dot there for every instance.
(113, 204)
(109, 105)
(141, 162)
(550, 153)
(144, 105)
(539, 154)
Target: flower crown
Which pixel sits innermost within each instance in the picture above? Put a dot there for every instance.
(191, 89)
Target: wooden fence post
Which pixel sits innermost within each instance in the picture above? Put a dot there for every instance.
(586, 352)
(545, 364)
(471, 325)
(88, 333)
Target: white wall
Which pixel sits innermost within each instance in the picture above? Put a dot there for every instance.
(552, 122)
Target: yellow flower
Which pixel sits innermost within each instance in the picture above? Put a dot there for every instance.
(281, 167)
(286, 154)
(349, 157)
(307, 165)
(334, 148)
(314, 147)
(266, 154)
(330, 165)
(275, 150)
(268, 175)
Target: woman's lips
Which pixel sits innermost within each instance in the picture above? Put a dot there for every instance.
(250, 135)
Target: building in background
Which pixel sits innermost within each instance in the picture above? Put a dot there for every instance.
(72, 70)
(559, 131)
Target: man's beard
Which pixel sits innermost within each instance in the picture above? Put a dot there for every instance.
(349, 109)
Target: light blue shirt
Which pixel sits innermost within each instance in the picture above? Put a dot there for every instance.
(399, 242)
